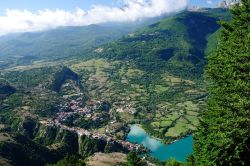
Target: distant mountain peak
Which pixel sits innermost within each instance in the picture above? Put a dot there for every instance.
(193, 8)
(228, 3)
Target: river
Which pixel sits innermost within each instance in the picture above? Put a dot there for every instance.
(178, 150)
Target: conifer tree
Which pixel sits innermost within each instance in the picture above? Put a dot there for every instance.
(223, 137)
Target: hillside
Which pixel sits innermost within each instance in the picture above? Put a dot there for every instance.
(15, 149)
(26, 48)
(59, 42)
(177, 43)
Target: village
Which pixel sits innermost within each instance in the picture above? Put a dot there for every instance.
(75, 107)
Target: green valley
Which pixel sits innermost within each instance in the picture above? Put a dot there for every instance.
(71, 94)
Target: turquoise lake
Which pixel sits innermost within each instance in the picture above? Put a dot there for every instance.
(178, 150)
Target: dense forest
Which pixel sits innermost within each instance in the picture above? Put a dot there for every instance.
(223, 137)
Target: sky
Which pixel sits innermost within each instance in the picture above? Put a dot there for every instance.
(37, 15)
(72, 4)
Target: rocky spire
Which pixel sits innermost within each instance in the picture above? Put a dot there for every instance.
(228, 3)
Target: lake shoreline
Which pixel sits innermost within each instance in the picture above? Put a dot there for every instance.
(178, 149)
(159, 139)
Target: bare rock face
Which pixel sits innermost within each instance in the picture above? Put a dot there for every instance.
(228, 3)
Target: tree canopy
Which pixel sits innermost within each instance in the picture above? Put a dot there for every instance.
(223, 137)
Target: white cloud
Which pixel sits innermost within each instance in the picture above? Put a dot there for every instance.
(27, 21)
(210, 2)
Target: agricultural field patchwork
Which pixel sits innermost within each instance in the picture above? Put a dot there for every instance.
(167, 105)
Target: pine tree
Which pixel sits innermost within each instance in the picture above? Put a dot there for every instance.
(223, 137)
(133, 160)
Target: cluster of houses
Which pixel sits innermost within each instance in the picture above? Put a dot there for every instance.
(127, 108)
(71, 107)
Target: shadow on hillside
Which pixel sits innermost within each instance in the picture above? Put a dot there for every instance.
(199, 26)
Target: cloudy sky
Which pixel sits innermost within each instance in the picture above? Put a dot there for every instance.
(37, 15)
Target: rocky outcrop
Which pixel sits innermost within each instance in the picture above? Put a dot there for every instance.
(69, 141)
(61, 140)
(89, 146)
(228, 3)
(61, 77)
(54, 140)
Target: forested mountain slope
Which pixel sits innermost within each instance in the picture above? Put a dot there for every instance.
(60, 42)
(177, 43)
